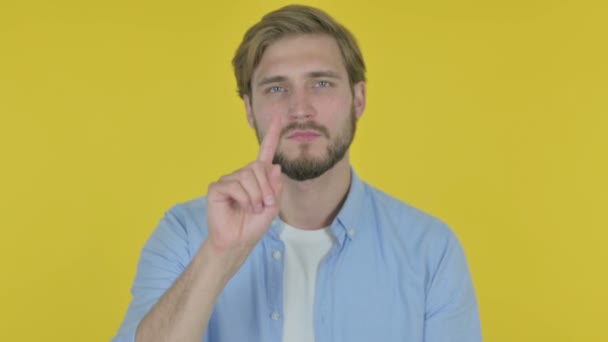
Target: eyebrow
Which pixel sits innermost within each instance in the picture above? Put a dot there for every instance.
(272, 79)
(312, 74)
(328, 74)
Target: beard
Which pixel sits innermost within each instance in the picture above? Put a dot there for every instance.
(307, 167)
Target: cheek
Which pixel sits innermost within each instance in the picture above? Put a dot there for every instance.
(333, 100)
(334, 110)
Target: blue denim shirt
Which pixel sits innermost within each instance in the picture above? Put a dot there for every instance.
(394, 273)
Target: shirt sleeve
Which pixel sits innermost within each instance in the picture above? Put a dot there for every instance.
(451, 313)
(163, 259)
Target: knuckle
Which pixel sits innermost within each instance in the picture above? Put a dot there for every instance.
(234, 187)
(244, 175)
(257, 198)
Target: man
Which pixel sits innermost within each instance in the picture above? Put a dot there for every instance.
(294, 246)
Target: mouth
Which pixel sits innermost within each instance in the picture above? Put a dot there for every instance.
(303, 135)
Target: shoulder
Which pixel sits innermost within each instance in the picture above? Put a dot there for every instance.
(191, 208)
(409, 223)
(413, 235)
(189, 216)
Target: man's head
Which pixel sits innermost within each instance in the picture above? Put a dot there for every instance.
(299, 63)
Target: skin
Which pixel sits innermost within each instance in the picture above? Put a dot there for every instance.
(242, 205)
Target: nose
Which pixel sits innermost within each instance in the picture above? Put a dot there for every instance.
(300, 105)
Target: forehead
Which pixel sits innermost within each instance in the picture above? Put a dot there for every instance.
(298, 55)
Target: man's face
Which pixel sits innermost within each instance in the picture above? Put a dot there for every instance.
(303, 79)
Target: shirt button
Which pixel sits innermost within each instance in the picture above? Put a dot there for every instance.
(351, 233)
(276, 255)
(275, 316)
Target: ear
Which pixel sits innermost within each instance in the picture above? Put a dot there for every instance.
(359, 98)
(248, 110)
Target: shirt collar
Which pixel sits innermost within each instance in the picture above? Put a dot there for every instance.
(347, 221)
(349, 217)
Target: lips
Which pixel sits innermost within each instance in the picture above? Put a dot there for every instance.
(303, 135)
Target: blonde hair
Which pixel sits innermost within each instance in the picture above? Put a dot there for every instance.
(293, 20)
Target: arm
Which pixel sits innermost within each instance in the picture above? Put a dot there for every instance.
(184, 310)
(240, 208)
(451, 305)
(166, 288)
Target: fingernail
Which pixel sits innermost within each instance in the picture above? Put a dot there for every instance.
(269, 200)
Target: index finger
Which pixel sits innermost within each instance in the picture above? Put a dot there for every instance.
(271, 140)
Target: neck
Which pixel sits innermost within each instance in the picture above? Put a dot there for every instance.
(313, 204)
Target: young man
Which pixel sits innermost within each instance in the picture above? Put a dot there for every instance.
(294, 246)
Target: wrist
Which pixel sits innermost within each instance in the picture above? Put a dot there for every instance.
(224, 262)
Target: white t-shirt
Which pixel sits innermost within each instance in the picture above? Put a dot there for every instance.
(304, 251)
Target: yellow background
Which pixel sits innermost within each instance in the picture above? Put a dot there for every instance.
(489, 114)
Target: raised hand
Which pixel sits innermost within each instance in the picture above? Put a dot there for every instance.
(242, 205)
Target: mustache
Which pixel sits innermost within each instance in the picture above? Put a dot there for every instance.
(309, 126)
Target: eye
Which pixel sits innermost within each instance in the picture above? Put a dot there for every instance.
(322, 84)
(275, 89)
